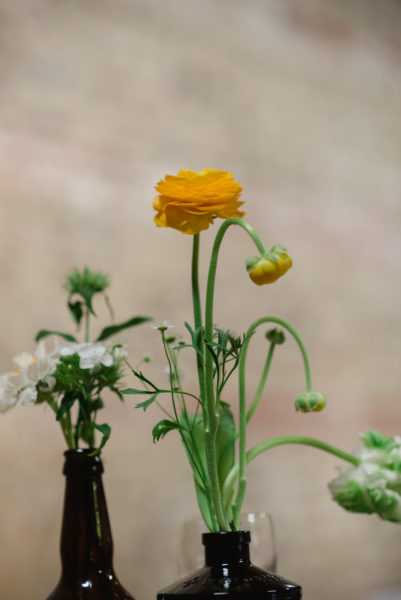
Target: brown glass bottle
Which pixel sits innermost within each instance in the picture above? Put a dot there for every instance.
(228, 574)
(86, 543)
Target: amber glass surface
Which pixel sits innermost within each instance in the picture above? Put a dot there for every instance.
(228, 573)
(86, 544)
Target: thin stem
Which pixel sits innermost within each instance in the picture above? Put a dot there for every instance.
(262, 383)
(87, 317)
(197, 312)
(210, 408)
(68, 424)
(67, 431)
(198, 467)
(279, 441)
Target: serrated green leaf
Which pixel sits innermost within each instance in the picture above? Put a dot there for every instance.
(146, 403)
(162, 428)
(196, 337)
(113, 329)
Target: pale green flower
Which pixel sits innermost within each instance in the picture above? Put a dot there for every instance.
(373, 486)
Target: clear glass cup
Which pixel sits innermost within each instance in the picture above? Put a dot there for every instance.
(190, 556)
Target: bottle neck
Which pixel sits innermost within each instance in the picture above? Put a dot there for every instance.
(86, 542)
(226, 547)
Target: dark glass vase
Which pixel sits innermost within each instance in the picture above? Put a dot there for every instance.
(86, 543)
(228, 573)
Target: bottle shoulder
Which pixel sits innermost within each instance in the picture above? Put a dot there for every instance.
(232, 581)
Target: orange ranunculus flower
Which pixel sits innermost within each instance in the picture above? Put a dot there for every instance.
(190, 200)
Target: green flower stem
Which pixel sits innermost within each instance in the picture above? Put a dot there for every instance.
(197, 464)
(65, 424)
(279, 441)
(197, 311)
(242, 403)
(87, 316)
(262, 383)
(68, 425)
(210, 409)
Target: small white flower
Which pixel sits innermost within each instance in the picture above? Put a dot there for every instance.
(20, 386)
(91, 355)
(8, 394)
(163, 326)
(28, 396)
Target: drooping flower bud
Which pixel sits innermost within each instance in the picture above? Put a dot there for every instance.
(373, 486)
(269, 267)
(310, 402)
(275, 336)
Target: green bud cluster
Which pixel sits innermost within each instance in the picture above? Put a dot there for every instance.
(310, 402)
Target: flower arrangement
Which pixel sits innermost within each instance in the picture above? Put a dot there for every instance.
(190, 202)
(71, 376)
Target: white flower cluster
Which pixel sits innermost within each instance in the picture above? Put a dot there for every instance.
(36, 372)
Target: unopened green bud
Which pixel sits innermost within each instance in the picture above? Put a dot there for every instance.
(275, 336)
(310, 402)
(146, 358)
(170, 339)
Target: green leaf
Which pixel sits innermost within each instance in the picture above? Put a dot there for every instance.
(113, 329)
(196, 337)
(225, 443)
(162, 428)
(76, 311)
(86, 432)
(105, 430)
(134, 391)
(146, 403)
(46, 332)
(66, 403)
(204, 504)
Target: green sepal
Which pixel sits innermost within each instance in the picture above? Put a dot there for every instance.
(113, 329)
(46, 332)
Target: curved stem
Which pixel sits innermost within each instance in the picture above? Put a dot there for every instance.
(242, 402)
(262, 383)
(210, 409)
(279, 441)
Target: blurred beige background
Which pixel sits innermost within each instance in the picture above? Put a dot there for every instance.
(301, 101)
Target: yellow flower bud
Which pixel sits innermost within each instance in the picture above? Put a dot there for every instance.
(310, 402)
(269, 267)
